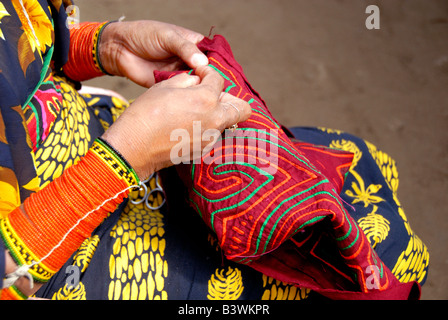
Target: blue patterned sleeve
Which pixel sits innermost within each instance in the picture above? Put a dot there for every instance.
(2, 263)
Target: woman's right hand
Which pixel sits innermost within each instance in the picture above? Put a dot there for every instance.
(142, 134)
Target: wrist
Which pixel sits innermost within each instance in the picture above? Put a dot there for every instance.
(104, 58)
(131, 150)
(83, 60)
(52, 223)
(107, 48)
(116, 161)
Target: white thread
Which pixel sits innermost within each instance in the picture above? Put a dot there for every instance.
(14, 276)
(23, 270)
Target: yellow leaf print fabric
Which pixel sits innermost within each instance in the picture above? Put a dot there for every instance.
(69, 138)
(9, 197)
(225, 284)
(412, 263)
(36, 24)
(138, 267)
(3, 13)
(278, 290)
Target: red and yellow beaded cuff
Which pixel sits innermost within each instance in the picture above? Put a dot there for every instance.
(53, 223)
(83, 61)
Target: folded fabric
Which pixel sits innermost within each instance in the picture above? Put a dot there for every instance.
(274, 203)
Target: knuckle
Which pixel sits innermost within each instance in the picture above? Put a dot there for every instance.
(208, 98)
(247, 110)
(215, 120)
(218, 123)
(171, 35)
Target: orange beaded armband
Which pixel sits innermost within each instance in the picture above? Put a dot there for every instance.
(83, 61)
(53, 223)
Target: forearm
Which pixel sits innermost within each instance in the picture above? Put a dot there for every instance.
(51, 224)
(83, 60)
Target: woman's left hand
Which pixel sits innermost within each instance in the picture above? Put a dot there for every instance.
(135, 49)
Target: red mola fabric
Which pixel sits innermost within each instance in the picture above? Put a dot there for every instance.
(274, 203)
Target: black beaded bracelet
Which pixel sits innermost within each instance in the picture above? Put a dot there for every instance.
(130, 174)
(97, 45)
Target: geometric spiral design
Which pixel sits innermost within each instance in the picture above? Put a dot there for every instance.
(257, 190)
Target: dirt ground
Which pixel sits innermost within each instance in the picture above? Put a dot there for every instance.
(316, 64)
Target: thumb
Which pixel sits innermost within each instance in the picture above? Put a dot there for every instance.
(188, 52)
(233, 110)
(182, 80)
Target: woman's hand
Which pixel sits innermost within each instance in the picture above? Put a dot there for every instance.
(142, 134)
(135, 49)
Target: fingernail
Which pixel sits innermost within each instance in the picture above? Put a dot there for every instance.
(199, 59)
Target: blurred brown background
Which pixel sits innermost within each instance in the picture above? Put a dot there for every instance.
(316, 64)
